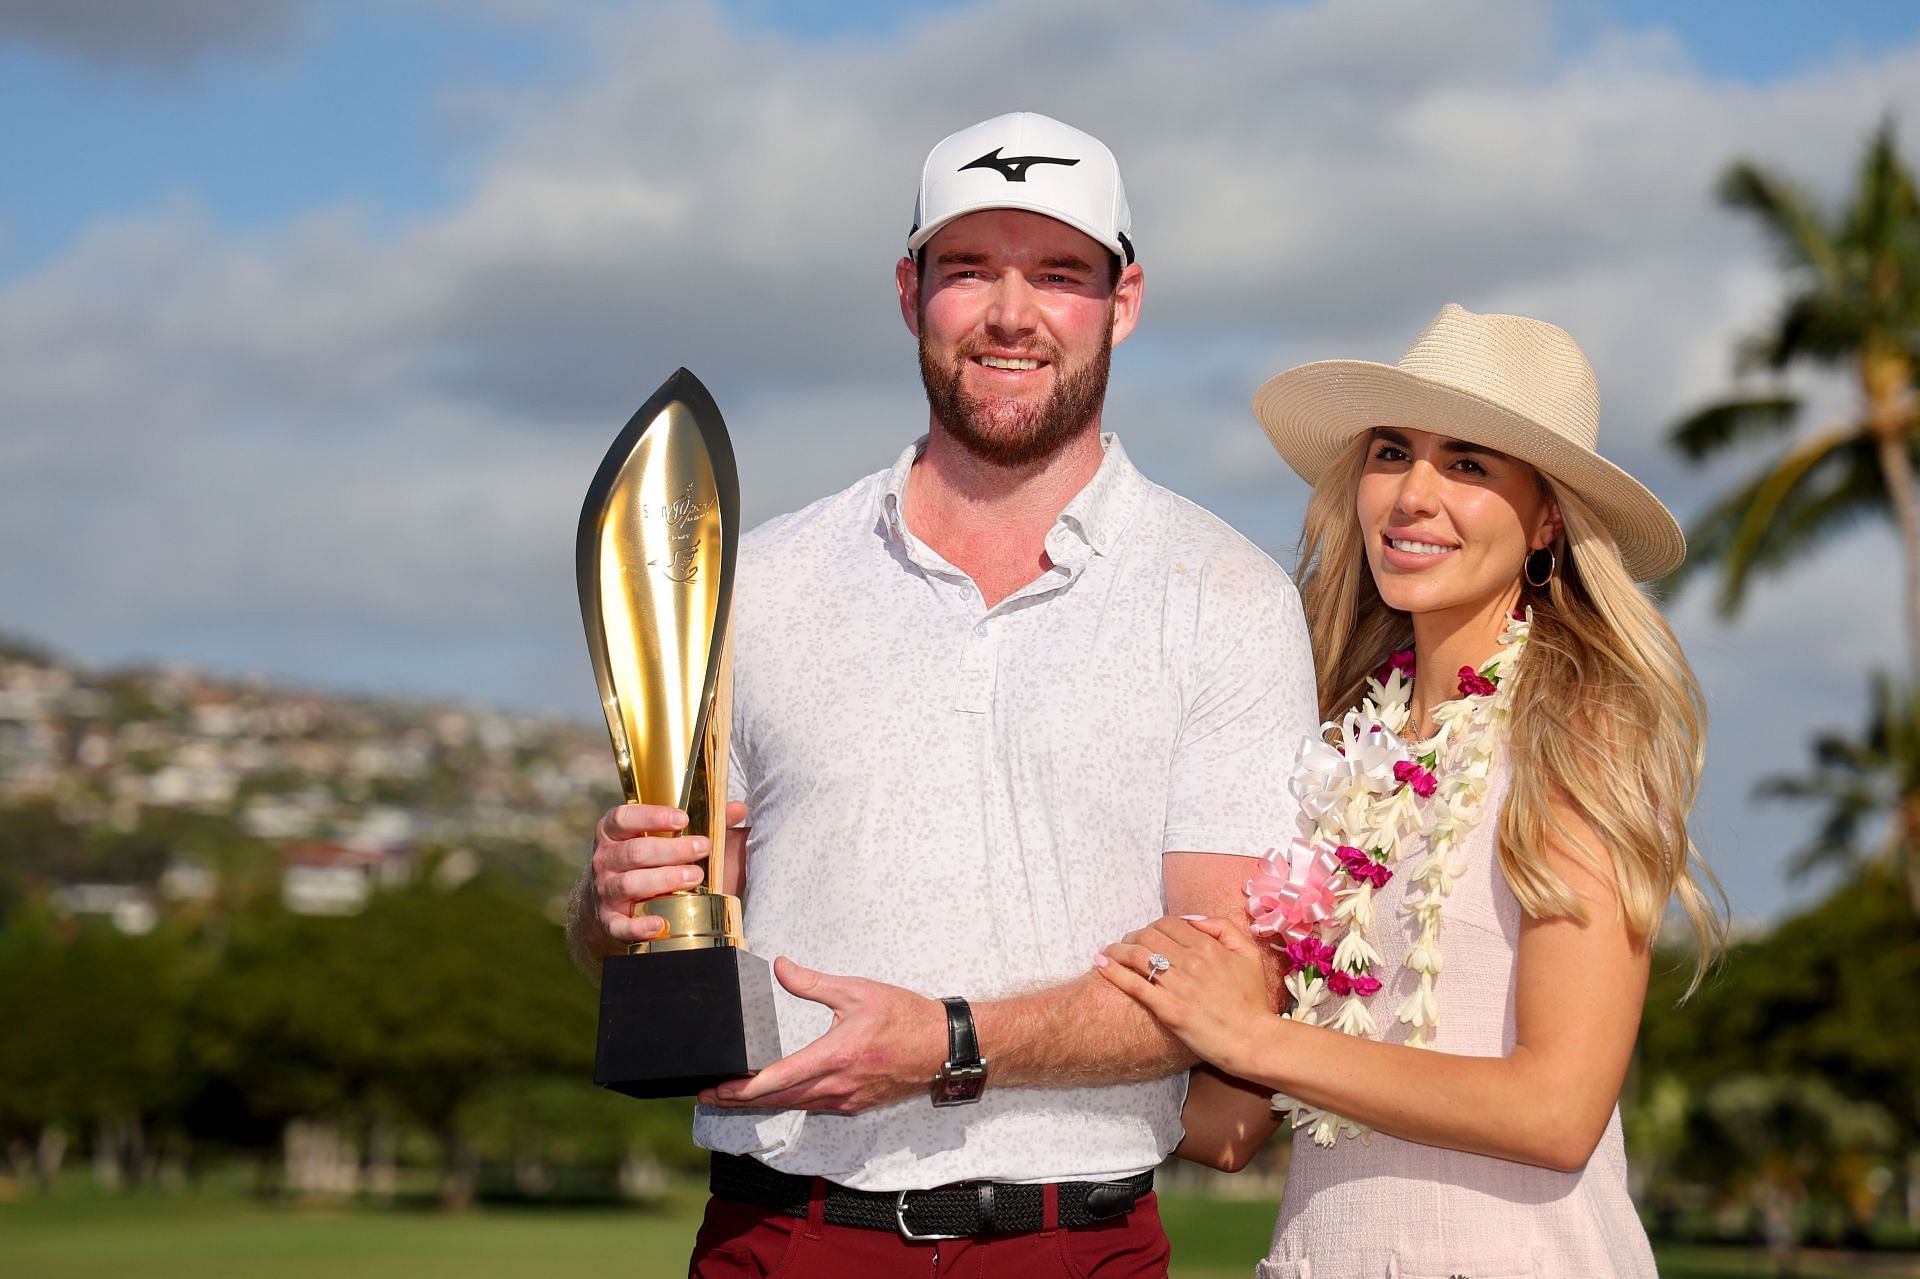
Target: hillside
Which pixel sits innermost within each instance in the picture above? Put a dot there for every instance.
(122, 791)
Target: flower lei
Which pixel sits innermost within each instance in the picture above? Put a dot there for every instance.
(1359, 784)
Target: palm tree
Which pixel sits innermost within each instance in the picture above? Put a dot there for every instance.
(1859, 780)
(1854, 303)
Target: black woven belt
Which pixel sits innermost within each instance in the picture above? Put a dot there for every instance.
(942, 1212)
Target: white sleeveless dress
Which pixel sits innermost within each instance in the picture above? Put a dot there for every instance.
(1392, 1209)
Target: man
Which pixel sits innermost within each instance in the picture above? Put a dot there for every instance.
(993, 707)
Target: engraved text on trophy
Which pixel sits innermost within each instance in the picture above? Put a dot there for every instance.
(680, 522)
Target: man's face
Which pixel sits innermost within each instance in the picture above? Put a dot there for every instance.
(1017, 315)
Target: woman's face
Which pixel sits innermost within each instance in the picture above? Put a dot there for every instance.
(1448, 524)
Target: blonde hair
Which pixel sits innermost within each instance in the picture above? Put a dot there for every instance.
(1607, 715)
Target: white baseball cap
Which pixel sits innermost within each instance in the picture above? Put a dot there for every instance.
(1024, 161)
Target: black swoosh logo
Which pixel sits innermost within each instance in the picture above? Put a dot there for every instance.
(1013, 167)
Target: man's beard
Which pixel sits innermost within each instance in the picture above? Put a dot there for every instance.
(1015, 434)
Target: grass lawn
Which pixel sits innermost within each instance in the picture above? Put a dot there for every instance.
(77, 1233)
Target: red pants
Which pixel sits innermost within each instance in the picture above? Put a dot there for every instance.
(743, 1241)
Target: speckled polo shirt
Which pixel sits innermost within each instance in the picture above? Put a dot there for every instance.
(971, 801)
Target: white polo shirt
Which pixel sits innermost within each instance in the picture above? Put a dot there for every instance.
(971, 801)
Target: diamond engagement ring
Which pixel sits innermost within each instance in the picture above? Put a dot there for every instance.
(1157, 963)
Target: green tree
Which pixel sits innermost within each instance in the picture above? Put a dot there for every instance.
(1833, 994)
(429, 996)
(1853, 304)
(417, 1006)
(1778, 1141)
(91, 1040)
(261, 1023)
(38, 848)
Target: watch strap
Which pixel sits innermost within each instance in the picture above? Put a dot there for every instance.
(964, 1076)
(963, 1042)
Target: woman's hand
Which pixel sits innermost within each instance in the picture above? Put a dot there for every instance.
(1213, 991)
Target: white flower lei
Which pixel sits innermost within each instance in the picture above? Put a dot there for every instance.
(1351, 794)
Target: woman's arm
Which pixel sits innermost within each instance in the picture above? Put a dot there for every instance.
(1227, 1120)
(1577, 1001)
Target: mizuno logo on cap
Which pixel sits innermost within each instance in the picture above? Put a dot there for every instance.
(1013, 167)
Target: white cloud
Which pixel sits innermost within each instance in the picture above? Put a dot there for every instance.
(355, 453)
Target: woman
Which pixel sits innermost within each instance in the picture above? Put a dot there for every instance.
(1490, 833)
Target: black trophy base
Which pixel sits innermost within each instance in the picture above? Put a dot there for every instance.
(674, 1022)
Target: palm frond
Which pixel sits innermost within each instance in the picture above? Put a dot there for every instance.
(1756, 543)
(1893, 296)
(1820, 325)
(1861, 780)
(1894, 733)
(1845, 489)
(1789, 216)
(1836, 752)
(1839, 839)
(1707, 539)
(1720, 426)
(1820, 853)
(1884, 202)
(1742, 532)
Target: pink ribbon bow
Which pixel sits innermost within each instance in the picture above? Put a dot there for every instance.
(1290, 894)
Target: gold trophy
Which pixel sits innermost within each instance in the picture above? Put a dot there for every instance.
(655, 556)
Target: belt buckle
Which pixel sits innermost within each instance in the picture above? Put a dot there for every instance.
(906, 1231)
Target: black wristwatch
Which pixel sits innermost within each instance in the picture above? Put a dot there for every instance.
(964, 1077)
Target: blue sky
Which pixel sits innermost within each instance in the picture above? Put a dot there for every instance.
(349, 102)
(346, 106)
(1755, 41)
(315, 317)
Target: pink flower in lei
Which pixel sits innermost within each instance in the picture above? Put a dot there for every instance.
(1360, 868)
(1361, 984)
(1401, 660)
(1308, 952)
(1411, 774)
(1474, 684)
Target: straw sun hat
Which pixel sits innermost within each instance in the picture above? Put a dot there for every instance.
(1501, 381)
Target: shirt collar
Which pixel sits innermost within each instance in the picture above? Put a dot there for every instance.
(893, 491)
(1099, 513)
(1094, 518)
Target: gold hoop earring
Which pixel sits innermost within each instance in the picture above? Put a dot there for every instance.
(1546, 574)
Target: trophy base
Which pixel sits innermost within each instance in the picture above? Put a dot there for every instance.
(673, 1023)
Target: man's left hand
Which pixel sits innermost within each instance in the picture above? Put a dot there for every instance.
(884, 1046)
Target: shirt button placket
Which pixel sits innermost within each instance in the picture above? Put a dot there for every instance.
(976, 669)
